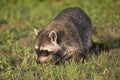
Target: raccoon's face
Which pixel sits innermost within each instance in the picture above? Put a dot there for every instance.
(46, 45)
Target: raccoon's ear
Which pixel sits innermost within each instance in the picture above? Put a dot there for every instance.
(36, 31)
(53, 36)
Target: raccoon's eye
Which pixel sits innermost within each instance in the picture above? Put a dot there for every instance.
(45, 52)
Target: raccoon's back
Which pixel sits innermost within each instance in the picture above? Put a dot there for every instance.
(75, 15)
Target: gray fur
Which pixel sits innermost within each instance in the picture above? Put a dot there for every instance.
(74, 31)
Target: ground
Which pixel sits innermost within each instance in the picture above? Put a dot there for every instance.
(18, 18)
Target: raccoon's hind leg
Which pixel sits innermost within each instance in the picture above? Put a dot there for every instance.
(98, 47)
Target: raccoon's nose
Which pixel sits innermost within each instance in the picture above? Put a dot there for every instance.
(38, 61)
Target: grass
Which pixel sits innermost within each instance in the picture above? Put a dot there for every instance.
(18, 18)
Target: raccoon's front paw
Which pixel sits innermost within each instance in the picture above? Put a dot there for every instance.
(57, 63)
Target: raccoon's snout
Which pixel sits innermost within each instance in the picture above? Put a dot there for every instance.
(38, 61)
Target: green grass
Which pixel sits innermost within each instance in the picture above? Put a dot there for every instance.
(18, 18)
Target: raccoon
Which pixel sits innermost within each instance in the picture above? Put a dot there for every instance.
(68, 35)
